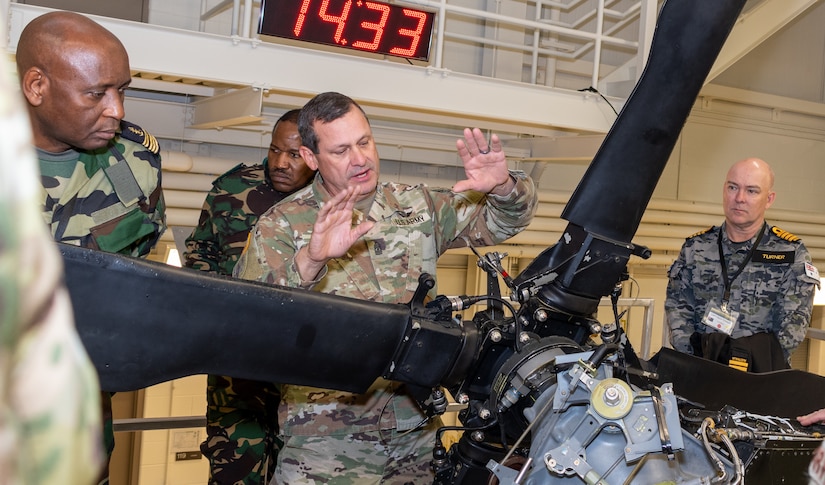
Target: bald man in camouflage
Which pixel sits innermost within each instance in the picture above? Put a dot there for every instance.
(242, 415)
(742, 293)
(101, 176)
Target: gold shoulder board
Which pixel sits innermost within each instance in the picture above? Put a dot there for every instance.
(782, 234)
(703, 231)
(139, 135)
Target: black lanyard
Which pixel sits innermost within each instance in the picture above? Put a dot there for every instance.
(725, 279)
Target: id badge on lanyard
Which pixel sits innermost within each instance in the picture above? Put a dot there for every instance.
(719, 318)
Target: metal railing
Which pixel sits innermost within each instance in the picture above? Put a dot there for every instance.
(613, 33)
(148, 424)
(647, 319)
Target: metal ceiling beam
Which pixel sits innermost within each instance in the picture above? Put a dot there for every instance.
(754, 27)
(160, 85)
(167, 121)
(771, 101)
(241, 106)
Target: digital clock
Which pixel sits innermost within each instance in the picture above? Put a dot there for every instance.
(365, 25)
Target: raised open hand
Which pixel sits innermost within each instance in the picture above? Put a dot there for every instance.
(333, 233)
(485, 165)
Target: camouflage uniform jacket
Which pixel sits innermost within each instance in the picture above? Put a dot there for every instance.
(413, 226)
(774, 293)
(108, 199)
(229, 212)
(49, 393)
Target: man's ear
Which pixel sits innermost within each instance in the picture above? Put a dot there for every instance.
(771, 198)
(34, 83)
(309, 158)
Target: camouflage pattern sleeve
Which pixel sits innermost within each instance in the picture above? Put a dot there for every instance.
(270, 249)
(202, 249)
(798, 296)
(229, 212)
(680, 305)
(245, 268)
(49, 396)
(512, 214)
(500, 218)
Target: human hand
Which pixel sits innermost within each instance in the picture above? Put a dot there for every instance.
(332, 234)
(485, 165)
(815, 417)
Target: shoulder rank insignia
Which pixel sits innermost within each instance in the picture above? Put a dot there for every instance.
(139, 135)
(703, 231)
(229, 172)
(234, 169)
(782, 234)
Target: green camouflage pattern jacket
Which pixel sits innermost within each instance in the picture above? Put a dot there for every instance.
(108, 199)
(414, 225)
(229, 212)
(49, 396)
(774, 293)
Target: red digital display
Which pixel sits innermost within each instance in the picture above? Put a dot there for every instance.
(364, 25)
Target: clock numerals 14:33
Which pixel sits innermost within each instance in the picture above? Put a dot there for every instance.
(364, 25)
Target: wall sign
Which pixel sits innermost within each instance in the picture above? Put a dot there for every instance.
(365, 25)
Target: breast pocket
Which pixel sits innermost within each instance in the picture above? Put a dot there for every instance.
(398, 261)
(124, 233)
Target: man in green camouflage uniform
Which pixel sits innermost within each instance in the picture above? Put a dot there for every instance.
(761, 287)
(49, 394)
(348, 235)
(100, 174)
(242, 415)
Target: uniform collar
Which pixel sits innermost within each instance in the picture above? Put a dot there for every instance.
(384, 205)
(747, 244)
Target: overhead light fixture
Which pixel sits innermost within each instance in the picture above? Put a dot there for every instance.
(574, 148)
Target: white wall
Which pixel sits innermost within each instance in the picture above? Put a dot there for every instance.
(708, 149)
(185, 14)
(158, 448)
(791, 63)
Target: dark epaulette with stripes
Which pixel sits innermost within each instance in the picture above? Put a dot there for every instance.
(133, 132)
(703, 231)
(231, 171)
(782, 234)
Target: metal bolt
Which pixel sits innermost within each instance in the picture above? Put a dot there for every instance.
(612, 396)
